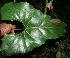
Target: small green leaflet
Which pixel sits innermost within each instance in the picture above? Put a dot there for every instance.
(38, 28)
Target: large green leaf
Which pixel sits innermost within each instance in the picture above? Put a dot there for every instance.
(38, 28)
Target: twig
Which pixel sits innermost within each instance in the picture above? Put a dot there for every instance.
(46, 7)
(14, 1)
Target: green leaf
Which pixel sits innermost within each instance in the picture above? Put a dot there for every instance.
(58, 54)
(38, 28)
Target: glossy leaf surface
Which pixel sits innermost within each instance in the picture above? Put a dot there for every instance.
(38, 28)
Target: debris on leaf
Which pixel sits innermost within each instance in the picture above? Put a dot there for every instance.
(55, 21)
(6, 28)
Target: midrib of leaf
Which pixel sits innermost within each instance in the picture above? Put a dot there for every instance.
(38, 27)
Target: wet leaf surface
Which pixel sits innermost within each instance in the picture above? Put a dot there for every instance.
(62, 10)
(38, 28)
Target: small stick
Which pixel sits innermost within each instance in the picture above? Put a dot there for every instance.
(46, 6)
(14, 1)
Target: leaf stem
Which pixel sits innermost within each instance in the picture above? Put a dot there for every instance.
(18, 29)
